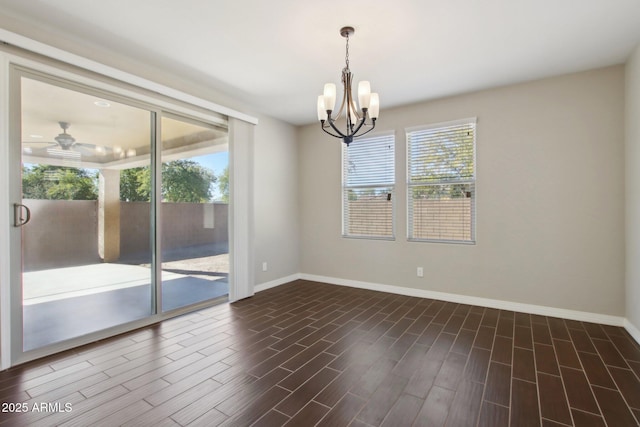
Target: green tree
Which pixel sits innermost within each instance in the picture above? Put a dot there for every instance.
(182, 181)
(58, 183)
(223, 184)
(186, 181)
(448, 157)
(135, 184)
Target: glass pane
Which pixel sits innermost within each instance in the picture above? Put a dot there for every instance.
(195, 195)
(368, 212)
(442, 212)
(442, 153)
(369, 161)
(86, 251)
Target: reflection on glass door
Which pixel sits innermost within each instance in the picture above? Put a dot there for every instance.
(86, 250)
(195, 195)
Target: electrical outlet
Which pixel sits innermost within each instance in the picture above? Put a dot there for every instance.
(420, 272)
(264, 266)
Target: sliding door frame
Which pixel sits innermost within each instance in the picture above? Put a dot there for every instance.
(241, 183)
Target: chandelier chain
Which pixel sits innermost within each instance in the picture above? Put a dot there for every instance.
(346, 58)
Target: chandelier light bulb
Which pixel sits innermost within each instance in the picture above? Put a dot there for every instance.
(329, 96)
(374, 106)
(364, 94)
(322, 112)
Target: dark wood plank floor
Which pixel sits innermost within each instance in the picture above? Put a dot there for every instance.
(315, 354)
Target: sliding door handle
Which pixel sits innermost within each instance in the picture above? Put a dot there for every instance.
(18, 219)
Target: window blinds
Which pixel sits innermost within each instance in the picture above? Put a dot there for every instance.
(441, 182)
(369, 161)
(442, 154)
(368, 182)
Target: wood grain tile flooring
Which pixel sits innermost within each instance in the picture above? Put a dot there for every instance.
(307, 353)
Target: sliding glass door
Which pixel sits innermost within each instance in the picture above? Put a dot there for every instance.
(86, 255)
(194, 212)
(86, 222)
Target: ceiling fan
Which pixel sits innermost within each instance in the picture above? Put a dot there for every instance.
(64, 140)
(66, 145)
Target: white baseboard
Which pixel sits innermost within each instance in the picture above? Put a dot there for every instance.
(633, 331)
(582, 316)
(484, 302)
(273, 283)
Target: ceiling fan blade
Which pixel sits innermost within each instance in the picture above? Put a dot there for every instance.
(84, 145)
(82, 148)
(65, 154)
(39, 142)
(100, 149)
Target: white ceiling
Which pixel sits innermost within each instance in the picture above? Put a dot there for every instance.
(276, 55)
(107, 133)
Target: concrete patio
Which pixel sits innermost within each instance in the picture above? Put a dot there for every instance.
(64, 303)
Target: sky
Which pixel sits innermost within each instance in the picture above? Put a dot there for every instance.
(216, 162)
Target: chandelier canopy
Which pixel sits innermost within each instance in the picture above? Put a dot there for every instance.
(356, 120)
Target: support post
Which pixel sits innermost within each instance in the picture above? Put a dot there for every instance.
(109, 215)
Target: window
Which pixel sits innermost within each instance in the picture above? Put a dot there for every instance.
(441, 182)
(368, 178)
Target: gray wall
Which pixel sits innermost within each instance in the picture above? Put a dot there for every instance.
(182, 225)
(63, 233)
(632, 182)
(276, 228)
(550, 199)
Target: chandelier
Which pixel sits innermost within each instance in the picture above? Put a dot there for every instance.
(356, 121)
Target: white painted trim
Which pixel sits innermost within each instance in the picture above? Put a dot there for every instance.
(87, 64)
(473, 120)
(277, 282)
(241, 247)
(484, 302)
(633, 331)
(5, 245)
